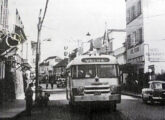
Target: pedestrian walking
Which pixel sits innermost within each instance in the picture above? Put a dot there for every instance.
(25, 81)
(29, 99)
(47, 81)
(51, 81)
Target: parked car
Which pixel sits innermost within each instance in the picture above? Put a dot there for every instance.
(155, 92)
(61, 82)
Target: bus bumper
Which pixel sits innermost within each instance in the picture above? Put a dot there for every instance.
(90, 98)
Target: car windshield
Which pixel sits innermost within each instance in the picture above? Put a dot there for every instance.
(90, 71)
(159, 85)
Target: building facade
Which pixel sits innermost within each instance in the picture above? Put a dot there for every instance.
(145, 35)
(46, 67)
(4, 14)
(60, 68)
(11, 56)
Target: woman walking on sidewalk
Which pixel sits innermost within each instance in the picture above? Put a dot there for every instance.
(29, 99)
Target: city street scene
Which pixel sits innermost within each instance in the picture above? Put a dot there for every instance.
(82, 60)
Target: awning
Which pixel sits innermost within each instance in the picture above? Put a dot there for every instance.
(20, 32)
(26, 64)
(9, 52)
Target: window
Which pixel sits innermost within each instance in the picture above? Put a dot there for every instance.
(159, 85)
(106, 71)
(2, 70)
(84, 71)
(140, 35)
(1, 13)
(128, 15)
(133, 40)
(132, 12)
(129, 40)
(90, 71)
(137, 37)
(139, 8)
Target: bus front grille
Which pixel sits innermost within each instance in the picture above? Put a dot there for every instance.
(93, 90)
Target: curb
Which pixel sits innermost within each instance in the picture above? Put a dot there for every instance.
(131, 94)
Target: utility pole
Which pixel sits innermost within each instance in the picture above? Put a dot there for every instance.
(39, 28)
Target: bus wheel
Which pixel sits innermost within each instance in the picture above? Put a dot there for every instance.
(71, 104)
(114, 107)
(67, 94)
(143, 99)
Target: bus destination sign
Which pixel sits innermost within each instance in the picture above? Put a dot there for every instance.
(90, 60)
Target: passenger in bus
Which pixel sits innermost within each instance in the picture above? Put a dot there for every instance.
(81, 74)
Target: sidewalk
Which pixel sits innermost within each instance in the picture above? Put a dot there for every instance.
(131, 94)
(54, 90)
(11, 109)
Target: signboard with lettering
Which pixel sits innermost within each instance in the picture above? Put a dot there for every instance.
(90, 60)
(156, 53)
(135, 52)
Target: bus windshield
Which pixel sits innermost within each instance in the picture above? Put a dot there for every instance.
(90, 71)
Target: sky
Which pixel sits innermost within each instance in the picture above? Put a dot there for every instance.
(68, 21)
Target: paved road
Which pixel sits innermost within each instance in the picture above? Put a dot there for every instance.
(129, 109)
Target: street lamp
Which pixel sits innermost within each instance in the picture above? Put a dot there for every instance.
(88, 34)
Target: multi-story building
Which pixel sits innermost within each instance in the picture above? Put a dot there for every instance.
(46, 67)
(33, 54)
(145, 34)
(12, 60)
(3, 14)
(60, 68)
(110, 41)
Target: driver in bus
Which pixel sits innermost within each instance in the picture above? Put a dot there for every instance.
(88, 74)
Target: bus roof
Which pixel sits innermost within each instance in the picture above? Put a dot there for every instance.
(87, 60)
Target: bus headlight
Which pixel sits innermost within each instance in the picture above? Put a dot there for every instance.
(115, 89)
(78, 91)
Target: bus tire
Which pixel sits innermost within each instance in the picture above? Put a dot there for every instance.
(71, 106)
(144, 100)
(67, 94)
(114, 107)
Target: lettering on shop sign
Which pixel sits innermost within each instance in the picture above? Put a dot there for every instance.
(156, 54)
(134, 50)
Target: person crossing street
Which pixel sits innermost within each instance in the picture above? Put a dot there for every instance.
(47, 81)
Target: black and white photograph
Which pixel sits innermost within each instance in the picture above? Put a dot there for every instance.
(82, 59)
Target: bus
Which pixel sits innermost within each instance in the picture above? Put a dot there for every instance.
(93, 79)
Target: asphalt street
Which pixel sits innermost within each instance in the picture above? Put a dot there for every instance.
(130, 108)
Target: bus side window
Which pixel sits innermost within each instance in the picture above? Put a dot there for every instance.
(73, 72)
